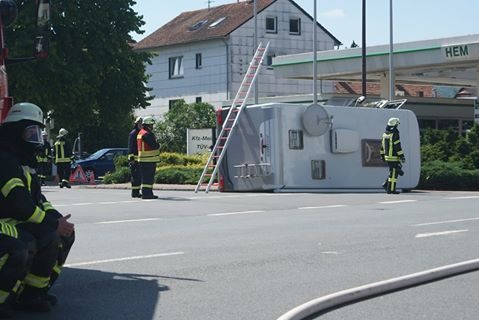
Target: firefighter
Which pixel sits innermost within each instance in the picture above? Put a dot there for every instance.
(63, 155)
(392, 153)
(133, 159)
(148, 156)
(25, 211)
(44, 158)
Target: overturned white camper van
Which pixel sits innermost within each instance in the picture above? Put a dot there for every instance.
(290, 147)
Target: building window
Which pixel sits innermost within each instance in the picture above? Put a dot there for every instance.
(295, 26)
(198, 100)
(217, 22)
(198, 25)
(199, 62)
(176, 67)
(271, 24)
(269, 60)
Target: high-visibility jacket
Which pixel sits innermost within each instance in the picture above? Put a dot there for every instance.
(44, 154)
(391, 145)
(62, 151)
(148, 148)
(17, 202)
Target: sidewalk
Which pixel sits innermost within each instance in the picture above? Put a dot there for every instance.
(127, 186)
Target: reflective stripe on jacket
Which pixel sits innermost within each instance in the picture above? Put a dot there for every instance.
(391, 147)
(60, 152)
(148, 149)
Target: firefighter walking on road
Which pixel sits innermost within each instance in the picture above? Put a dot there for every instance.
(44, 159)
(133, 159)
(392, 153)
(148, 156)
(63, 154)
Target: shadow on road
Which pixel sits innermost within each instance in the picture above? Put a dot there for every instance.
(93, 294)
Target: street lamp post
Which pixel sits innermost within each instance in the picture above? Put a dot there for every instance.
(392, 87)
(315, 62)
(363, 54)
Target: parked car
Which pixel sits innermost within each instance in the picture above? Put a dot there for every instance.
(100, 162)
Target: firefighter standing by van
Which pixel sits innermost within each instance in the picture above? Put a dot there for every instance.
(392, 153)
(26, 216)
(133, 159)
(44, 159)
(63, 154)
(148, 156)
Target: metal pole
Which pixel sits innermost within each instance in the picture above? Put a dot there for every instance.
(255, 12)
(315, 62)
(363, 77)
(392, 87)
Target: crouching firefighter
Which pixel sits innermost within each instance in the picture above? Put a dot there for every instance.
(392, 153)
(25, 210)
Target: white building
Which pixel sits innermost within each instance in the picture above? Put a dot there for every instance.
(202, 56)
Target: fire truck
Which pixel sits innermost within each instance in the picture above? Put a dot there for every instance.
(8, 14)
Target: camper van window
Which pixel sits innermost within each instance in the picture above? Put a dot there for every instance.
(296, 139)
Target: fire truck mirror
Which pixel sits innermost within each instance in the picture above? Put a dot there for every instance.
(43, 16)
(41, 47)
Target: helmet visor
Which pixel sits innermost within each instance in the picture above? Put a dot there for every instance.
(33, 134)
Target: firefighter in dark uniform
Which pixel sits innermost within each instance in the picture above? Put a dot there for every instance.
(133, 159)
(63, 154)
(148, 156)
(44, 157)
(392, 153)
(24, 211)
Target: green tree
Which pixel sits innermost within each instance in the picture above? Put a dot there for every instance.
(92, 79)
(171, 129)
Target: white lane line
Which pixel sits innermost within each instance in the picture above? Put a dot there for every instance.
(108, 202)
(323, 207)
(464, 197)
(442, 233)
(443, 222)
(81, 204)
(124, 259)
(125, 221)
(232, 213)
(397, 201)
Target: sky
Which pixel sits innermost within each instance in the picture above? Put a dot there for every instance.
(413, 20)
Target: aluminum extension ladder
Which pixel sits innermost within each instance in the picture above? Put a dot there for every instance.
(239, 103)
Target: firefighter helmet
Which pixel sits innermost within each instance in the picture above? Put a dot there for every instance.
(393, 122)
(62, 132)
(25, 111)
(149, 120)
(138, 120)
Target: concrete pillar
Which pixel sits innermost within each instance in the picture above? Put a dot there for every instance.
(384, 85)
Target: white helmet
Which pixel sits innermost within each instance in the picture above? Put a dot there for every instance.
(62, 132)
(138, 120)
(25, 111)
(149, 120)
(392, 122)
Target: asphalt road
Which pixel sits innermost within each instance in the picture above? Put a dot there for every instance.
(256, 255)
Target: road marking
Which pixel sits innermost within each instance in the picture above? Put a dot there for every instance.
(81, 204)
(443, 222)
(133, 220)
(324, 207)
(232, 213)
(442, 233)
(397, 201)
(465, 197)
(108, 202)
(123, 259)
(331, 252)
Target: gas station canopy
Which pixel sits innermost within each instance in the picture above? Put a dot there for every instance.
(447, 61)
